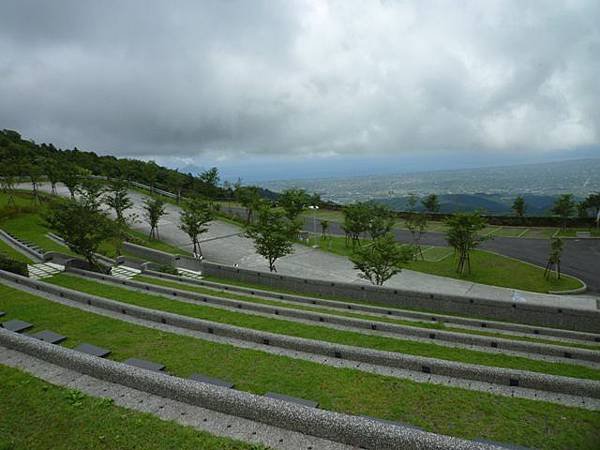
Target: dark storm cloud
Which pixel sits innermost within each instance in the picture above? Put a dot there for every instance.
(189, 79)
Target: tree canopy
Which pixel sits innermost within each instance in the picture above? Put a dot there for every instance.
(381, 259)
(273, 234)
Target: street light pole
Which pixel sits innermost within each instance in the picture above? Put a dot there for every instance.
(314, 210)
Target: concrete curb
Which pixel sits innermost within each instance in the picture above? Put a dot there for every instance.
(37, 256)
(493, 375)
(358, 307)
(580, 290)
(352, 430)
(541, 315)
(400, 330)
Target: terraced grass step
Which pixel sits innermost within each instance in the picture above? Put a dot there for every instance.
(532, 350)
(379, 318)
(392, 311)
(435, 408)
(316, 332)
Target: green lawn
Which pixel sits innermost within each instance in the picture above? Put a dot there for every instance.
(438, 409)
(344, 313)
(39, 415)
(572, 232)
(29, 225)
(436, 253)
(487, 268)
(322, 333)
(12, 253)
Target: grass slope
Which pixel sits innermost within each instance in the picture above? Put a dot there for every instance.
(439, 409)
(29, 405)
(322, 333)
(12, 253)
(28, 223)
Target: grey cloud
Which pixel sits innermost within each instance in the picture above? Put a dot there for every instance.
(224, 78)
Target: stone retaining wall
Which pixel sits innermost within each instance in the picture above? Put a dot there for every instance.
(494, 375)
(541, 315)
(433, 335)
(151, 269)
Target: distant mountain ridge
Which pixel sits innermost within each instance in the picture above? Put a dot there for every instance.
(494, 204)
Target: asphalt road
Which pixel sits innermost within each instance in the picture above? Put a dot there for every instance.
(581, 257)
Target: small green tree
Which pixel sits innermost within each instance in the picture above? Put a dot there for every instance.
(519, 207)
(154, 209)
(82, 225)
(53, 173)
(380, 220)
(593, 201)
(564, 207)
(273, 234)
(381, 259)
(117, 198)
(293, 201)
(70, 175)
(210, 180)
(150, 174)
(556, 249)
(416, 224)
(582, 209)
(176, 182)
(195, 215)
(91, 191)
(249, 197)
(356, 222)
(463, 235)
(431, 203)
(34, 172)
(411, 202)
(8, 182)
(324, 228)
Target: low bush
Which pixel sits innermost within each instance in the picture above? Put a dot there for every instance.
(12, 265)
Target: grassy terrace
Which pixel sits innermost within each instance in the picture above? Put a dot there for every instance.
(322, 333)
(28, 405)
(344, 313)
(27, 223)
(487, 268)
(436, 408)
(12, 253)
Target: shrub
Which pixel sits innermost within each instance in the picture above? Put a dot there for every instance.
(12, 265)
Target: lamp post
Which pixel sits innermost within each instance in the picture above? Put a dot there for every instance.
(314, 210)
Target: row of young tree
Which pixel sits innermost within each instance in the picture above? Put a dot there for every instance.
(84, 223)
(368, 228)
(565, 206)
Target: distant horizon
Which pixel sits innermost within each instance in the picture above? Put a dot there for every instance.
(419, 171)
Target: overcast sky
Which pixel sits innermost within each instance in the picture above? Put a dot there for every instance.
(276, 82)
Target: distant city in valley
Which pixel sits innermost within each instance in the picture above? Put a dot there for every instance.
(492, 188)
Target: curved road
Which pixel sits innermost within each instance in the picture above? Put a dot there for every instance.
(581, 257)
